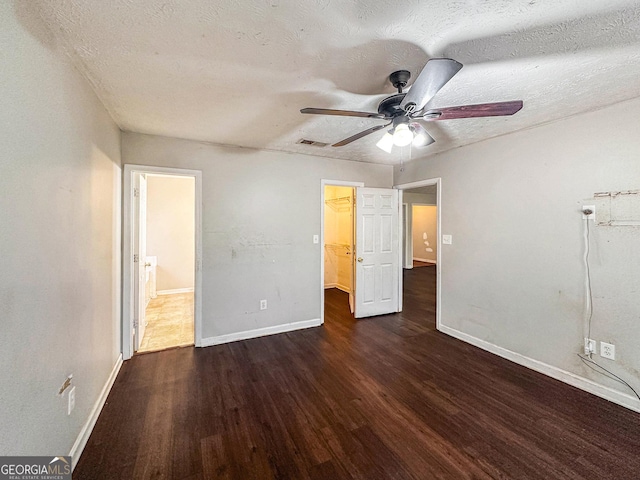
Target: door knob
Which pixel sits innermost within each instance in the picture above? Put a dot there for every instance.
(147, 264)
(360, 259)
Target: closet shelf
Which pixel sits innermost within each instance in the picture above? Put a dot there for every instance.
(339, 204)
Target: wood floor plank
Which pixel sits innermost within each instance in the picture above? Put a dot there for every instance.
(384, 397)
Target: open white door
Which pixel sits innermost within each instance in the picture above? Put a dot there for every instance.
(377, 252)
(140, 266)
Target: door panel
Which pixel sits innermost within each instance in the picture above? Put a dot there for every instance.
(377, 252)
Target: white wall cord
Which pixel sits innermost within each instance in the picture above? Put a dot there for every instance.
(588, 315)
(588, 311)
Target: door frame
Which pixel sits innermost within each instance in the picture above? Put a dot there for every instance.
(404, 215)
(139, 182)
(325, 183)
(128, 270)
(424, 183)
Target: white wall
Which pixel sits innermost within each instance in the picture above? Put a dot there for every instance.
(409, 199)
(514, 276)
(425, 222)
(260, 212)
(170, 230)
(59, 237)
(420, 198)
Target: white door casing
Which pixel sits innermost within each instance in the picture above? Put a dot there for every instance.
(140, 241)
(377, 252)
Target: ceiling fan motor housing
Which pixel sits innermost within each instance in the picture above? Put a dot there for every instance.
(399, 79)
(390, 106)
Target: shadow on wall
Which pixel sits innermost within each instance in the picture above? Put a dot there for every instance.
(30, 15)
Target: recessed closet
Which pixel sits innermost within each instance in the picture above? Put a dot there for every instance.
(338, 239)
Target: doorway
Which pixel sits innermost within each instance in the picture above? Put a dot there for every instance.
(421, 224)
(167, 229)
(161, 274)
(369, 250)
(344, 300)
(339, 242)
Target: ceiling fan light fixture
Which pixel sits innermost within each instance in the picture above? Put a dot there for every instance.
(402, 135)
(419, 140)
(386, 142)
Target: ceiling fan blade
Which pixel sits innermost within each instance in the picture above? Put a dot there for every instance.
(342, 113)
(435, 74)
(498, 109)
(364, 133)
(421, 136)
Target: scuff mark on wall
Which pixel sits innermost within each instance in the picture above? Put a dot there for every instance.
(617, 208)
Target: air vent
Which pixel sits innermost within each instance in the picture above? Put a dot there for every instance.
(304, 141)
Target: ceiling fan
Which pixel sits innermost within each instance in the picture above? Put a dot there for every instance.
(403, 111)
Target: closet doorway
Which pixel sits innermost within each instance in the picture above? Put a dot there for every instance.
(339, 240)
(360, 249)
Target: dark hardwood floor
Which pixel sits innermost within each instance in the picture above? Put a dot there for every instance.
(385, 397)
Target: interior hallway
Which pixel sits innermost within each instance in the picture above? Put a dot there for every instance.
(384, 397)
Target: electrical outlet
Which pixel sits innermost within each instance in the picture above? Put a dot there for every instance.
(589, 216)
(72, 401)
(263, 304)
(589, 346)
(607, 350)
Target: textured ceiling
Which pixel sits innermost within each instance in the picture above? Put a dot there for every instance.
(237, 72)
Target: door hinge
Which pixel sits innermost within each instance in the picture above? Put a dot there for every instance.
(136, 192)
(136, 258)
(135, 323)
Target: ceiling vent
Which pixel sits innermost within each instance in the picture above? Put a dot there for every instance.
(304, 141)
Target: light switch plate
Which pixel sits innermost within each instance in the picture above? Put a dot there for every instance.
(447, 240)
(316, 239)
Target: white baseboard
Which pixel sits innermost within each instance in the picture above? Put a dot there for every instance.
(615, 396)
(425, 260)
(175, 290)
(338, 286)
(81, 441)
(260, 332)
